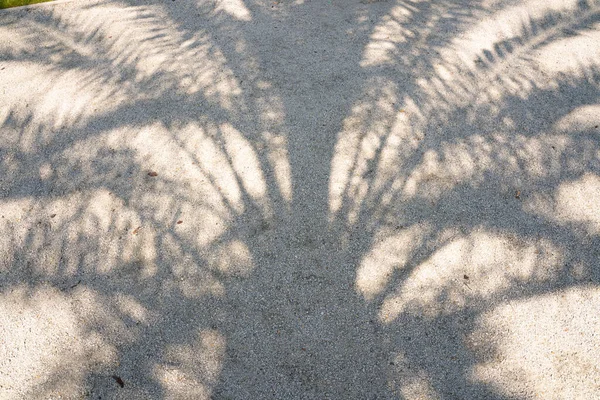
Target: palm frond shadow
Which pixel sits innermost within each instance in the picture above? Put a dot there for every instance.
(214, 279)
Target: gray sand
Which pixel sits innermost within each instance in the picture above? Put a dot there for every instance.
(332, 199)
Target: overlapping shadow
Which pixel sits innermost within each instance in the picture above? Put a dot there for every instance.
(342, 192)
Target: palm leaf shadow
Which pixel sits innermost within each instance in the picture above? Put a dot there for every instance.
(295, 322)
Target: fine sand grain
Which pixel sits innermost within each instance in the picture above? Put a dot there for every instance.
(311, 199)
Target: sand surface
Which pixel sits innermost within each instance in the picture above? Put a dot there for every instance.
(311, 199)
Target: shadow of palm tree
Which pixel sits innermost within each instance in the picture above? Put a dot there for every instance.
(305, 200)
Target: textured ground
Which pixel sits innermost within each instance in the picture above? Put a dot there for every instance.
(333, 199)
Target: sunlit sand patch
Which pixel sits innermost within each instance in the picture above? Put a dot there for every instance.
(63, 100)
(581, 119)
(578, 202)
(191, 370)
(235, 8)
(132, 308)
(245, 163)
(202, 176)
(485, 31)
(213, 174)
(91, 232)
(505, 23)
(433, 177)
(514, 38)
(388, 254)
(232, 258)
(279, 158)
(200, 284)
(547, 346)
(571, 54)
(46, 350)
(367, 149)
(475, 267)
(468, 161)
(191, 166)
(386, 35)
(410, 382)
(160, 54)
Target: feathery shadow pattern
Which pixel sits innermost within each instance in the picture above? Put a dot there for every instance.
(257, 199)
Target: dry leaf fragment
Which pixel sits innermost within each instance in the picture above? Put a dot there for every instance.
(118, 380)
(136, 230)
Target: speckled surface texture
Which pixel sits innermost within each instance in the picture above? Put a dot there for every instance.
(247, 199)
